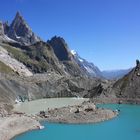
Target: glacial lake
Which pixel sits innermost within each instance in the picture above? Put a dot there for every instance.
(124, 127)
(36, 106)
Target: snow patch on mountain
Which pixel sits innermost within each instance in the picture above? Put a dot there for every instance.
(73, 52)
(89, 68)
(81, 60)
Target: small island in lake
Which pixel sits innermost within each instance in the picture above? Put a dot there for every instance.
(78, 114)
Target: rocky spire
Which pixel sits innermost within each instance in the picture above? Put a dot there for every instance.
(18, 14)
(21, 32)
(18, 20)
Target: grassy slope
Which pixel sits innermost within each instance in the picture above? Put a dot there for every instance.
(38, 58)
(5, 69)
(23, 57)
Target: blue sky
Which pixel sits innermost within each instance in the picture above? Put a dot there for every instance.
(105, 32)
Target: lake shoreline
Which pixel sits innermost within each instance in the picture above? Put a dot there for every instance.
(97, 101)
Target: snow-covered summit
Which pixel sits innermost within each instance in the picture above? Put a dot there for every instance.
(73, 52)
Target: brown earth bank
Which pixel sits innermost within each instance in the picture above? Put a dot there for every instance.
(16, 124)
(78, 114)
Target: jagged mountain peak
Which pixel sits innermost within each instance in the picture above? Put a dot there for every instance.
(21, 32)
(19, 21)
(18, 14)
(58, 38)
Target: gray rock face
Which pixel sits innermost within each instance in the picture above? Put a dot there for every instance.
(44, 85)
(6, 27)
(3, 36)
(21, 32)
(60, 48)
(1, 29)
(64, 55)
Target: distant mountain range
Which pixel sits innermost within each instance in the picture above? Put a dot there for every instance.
(90, 69)
(115, 74)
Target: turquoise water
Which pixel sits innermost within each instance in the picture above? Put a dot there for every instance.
(124, 127)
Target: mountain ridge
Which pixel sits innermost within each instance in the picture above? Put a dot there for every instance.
(20, 31)
(57, 71)
(87, 67)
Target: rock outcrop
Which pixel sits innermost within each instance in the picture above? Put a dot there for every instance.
(128, 86)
